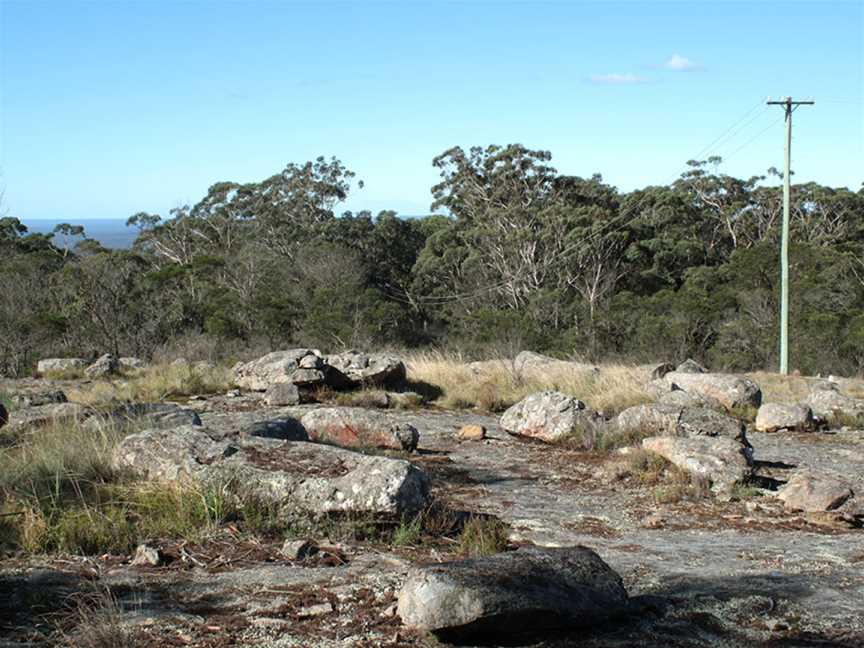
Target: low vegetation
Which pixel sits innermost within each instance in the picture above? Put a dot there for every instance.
(496, 385)
(155, 383)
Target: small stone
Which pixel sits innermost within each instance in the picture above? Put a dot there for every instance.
(147, 555)
(299, 549)
(471, 433)
(233, 393)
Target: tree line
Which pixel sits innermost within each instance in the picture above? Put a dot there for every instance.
(525, 257)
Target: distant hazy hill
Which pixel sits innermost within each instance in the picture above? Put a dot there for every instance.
(110, 232)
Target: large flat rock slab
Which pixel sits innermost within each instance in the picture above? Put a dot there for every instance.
(300, 477)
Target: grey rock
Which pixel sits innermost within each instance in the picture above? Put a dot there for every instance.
(779, 416)
(285, 429)
(369, 368)
(814, 492)
(180, 454)
(354, 427)
(525, 592)
(549, 416)
(676, 421)
(300, 478)
(106, 365)
(298, 549)
(661, 370)
(282, 394)
(132, 364)
(301, 367)
(60, 364)
(687, 399)
(527, 361)
(690, 366)
(730, 391)
(34, 399)
(153, 415)
(826, 402)
(41, 415)
(721, 460)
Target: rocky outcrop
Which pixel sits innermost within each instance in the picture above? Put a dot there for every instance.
(36, 398)
(720, 460)
(687, 399)
(661, 370)
(106, 365)
(132, 364)
(305, 368)
(691, 366)
(50, 365)
(354, 427)
(814, 492)
(42, 415)
(369, 368)
(549, 416)
(773, 417)
(300, 478)
(732, 392)
(671, 420)
(521, 593)
(826, 402)
(301, 367)
(282, 394)
(152, 415)
(532, 361)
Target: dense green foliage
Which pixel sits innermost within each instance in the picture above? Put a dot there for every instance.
(526, 258)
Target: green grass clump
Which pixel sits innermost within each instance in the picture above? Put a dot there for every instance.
(482, 536)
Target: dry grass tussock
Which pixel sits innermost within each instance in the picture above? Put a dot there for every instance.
(496, 385)
(156, 383)
(60, 493)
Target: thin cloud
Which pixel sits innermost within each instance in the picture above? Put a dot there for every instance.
(680, 63)
(615, 79)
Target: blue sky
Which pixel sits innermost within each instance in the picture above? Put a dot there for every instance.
(109, 108)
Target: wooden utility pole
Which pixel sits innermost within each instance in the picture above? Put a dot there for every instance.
(789, 106)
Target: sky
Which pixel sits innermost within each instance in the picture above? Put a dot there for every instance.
(110, 108)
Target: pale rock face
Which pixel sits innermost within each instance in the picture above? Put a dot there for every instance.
(721, 460)
(132, 364)
(301, 478)
(354, 427)
(282, 394)
(60, 364)
(523, 592)
(369, 368)
(548, 415)
(106, 365)
(155, 415)
(825, 402)
(730, 391)
(657, 419)
(41, 415)
(777, 416)
(690, 366)
(815, 492)
(301, 367)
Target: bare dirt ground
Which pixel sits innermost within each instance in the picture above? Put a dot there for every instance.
(701, 573)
